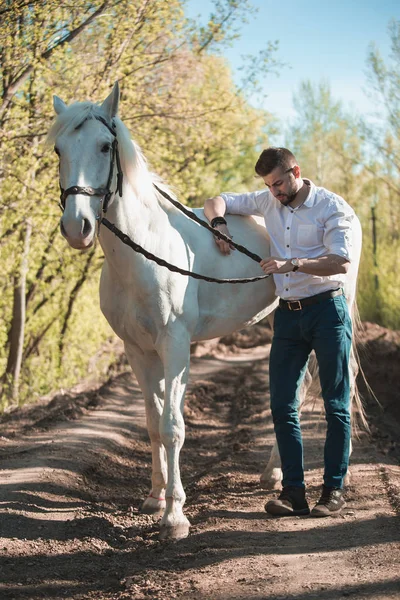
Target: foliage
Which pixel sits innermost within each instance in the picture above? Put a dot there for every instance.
(360, 160)
(178, 99)
(382, 136)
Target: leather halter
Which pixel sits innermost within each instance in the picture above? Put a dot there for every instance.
(105, 193)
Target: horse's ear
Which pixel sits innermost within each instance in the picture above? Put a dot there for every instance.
(59, 105)
(111, 103)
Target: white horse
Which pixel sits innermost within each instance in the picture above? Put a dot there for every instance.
(156, 312)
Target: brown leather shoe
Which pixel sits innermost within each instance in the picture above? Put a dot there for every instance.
(330, 503)
(290, 503)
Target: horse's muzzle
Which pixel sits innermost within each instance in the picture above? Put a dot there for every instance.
(79, 240)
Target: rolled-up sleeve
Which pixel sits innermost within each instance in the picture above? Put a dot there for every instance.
(338, 231)
(244, 204)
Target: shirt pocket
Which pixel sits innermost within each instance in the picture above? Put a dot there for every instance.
(309, 235)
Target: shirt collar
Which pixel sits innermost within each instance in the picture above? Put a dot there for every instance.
(310, 200)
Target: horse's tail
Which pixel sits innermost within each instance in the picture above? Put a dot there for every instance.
(358, 410)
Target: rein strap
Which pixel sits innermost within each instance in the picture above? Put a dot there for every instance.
(163, 263)
(105, 193)
(215, 232)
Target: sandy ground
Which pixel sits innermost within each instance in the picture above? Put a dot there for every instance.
(75, 470)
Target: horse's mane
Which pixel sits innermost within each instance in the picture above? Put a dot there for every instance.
(133, 162)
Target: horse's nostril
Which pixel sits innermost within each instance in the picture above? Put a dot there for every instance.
(86, 229)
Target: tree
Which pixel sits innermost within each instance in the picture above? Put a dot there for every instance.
(381, 135)
(327, 144)
(10, 383)
(197, 138)
(360, 159)
(325, 137)
(384, 90)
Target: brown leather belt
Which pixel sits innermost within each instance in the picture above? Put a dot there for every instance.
(299, 304)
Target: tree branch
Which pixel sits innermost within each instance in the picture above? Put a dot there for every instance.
(20, 80)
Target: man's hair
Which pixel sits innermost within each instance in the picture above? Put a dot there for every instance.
(271, 158)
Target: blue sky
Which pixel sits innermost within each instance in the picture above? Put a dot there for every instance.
(317, 40)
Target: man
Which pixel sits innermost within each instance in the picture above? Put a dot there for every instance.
(310, 230)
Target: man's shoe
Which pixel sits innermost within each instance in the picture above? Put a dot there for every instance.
(330, 503)
(290, 503)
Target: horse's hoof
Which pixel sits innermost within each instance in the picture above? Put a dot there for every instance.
(151, 510)
(174, 532)
(267, 484)
(271, 479)
(152, 507)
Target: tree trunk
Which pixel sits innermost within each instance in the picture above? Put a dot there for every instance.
(18, 80)
(375, 246)
(73, 296)
(13, 369)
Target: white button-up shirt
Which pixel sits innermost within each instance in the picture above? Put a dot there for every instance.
(321, 225)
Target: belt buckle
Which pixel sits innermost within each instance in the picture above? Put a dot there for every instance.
(297, 303)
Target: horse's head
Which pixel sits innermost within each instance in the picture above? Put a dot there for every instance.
(85, 141)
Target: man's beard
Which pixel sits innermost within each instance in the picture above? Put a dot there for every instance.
(289, 198)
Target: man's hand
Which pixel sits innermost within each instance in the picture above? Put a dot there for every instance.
(223, 247)
(274, 264)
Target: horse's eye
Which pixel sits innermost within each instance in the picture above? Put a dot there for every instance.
(106, 148)
(56, 150)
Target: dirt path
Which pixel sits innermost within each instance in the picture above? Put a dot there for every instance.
(73, 475)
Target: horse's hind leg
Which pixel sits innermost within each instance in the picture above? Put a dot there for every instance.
(354, 368)
(347, 477)
(149, 372)
(272, 475)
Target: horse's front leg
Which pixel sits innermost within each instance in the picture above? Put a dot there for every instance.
(175, 352)
(149, 372)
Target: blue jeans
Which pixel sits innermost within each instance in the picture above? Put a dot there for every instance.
(326, 329)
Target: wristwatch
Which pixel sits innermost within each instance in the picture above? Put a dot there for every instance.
(296, 263)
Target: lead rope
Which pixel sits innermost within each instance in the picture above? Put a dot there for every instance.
(215, 232)
(163, 263)
(125, 239)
